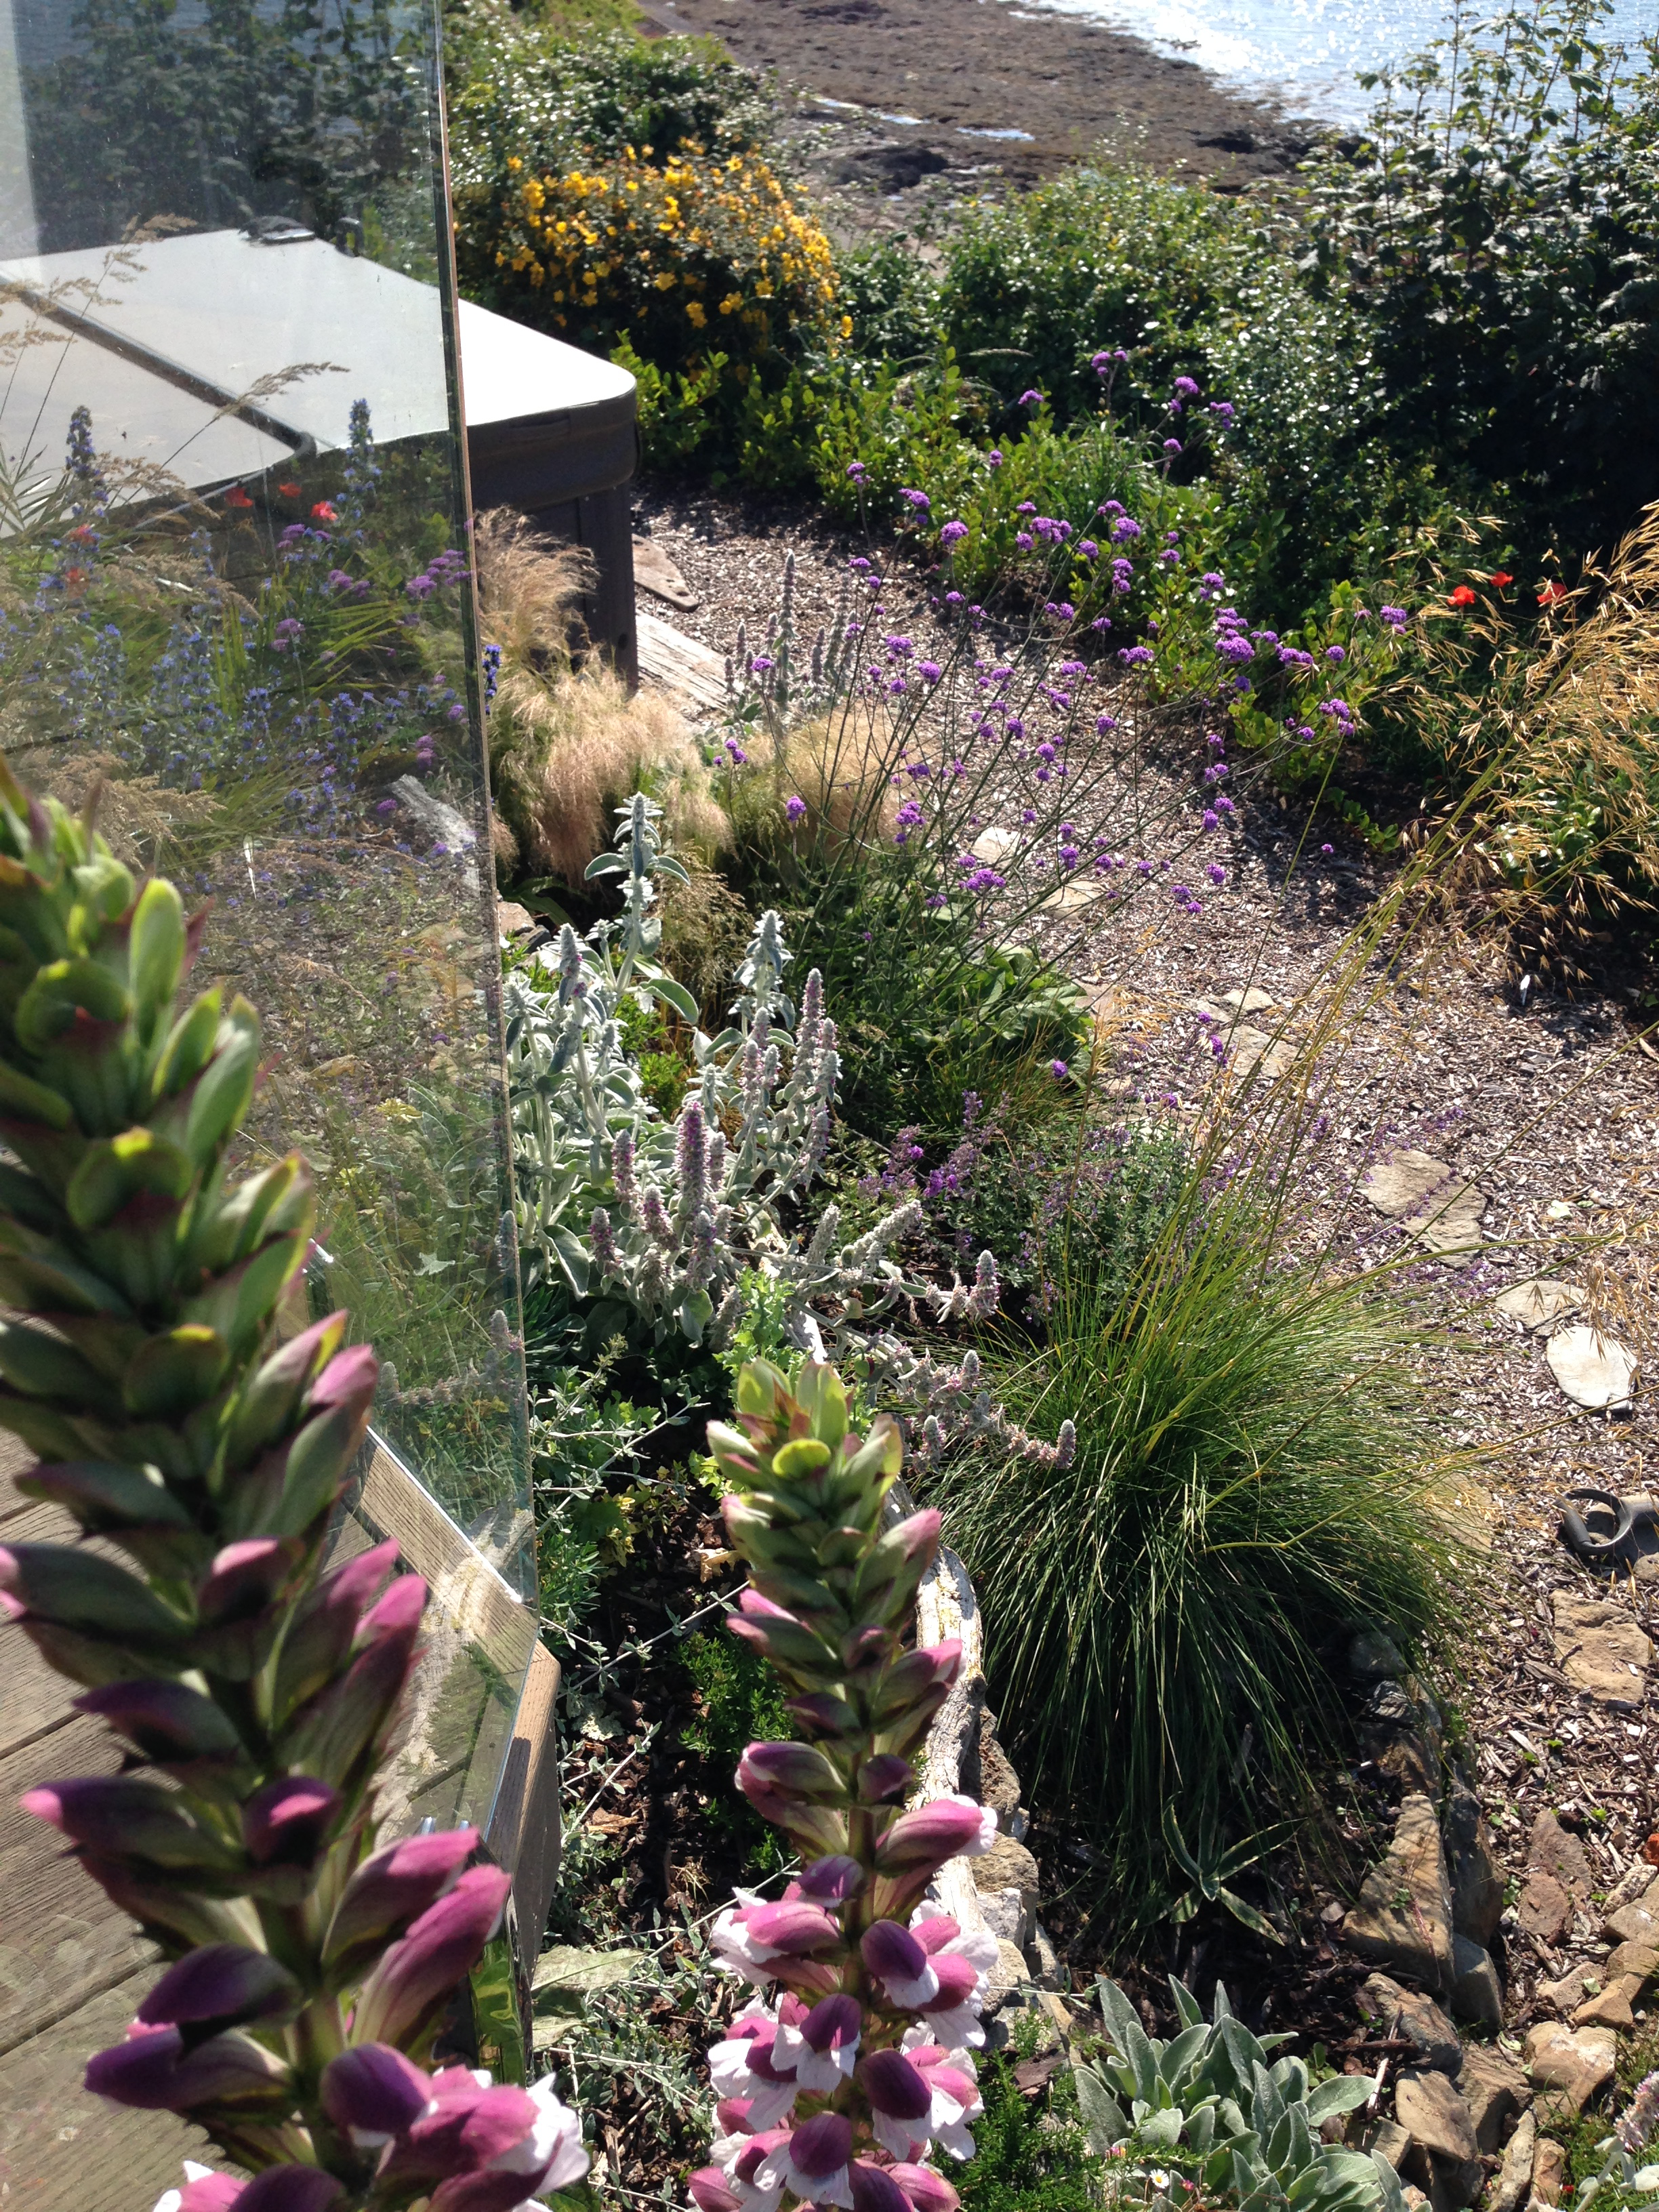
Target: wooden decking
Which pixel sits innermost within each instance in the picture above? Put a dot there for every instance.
(72, 1971)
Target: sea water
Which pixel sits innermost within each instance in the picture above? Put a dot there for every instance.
(1305, 53)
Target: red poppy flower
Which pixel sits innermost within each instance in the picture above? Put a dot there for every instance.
(1502, 577)
(324, 512)
(237, 497)
(1550, 594)
(83, 533)
(1462, 597)
(290, 491)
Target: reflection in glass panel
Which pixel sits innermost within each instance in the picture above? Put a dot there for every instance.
(234, 607)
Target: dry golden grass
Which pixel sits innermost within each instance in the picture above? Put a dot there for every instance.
(567, 746)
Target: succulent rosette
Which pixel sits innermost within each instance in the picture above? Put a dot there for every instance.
(253, 1688)
(852, 2065)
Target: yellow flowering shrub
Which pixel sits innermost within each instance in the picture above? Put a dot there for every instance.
(686, 257)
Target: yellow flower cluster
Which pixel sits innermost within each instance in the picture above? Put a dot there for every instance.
(677, 255)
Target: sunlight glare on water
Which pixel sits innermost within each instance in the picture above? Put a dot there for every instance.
(1304, 53)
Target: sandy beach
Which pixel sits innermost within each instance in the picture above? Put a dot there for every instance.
(938, 78)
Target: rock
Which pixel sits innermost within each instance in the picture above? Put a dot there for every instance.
(512, 920)
(1636, 1923)
(1495, 2090)
(1549, 2172)
(1477, 1885)
(1247, 1046)
(1010, 2029)
(1373, 1658)
(1408, 2013)
(1007, 1865)
(1253, 999)
(1553, 1850)
(655, 570)
(1008, 1915)
(1424, 1194)
(1545, 1909)
(1402, 1916)
(1009, 1973)
(1440, 2125)
(1595, 1371)
(998, 1784)
(1570, 1991)
(1513, 2183)
(1569, 2065)
(1599, 1648)
(1610, 2009)
(1386, 2138)
(1400, 1733)
(1628, 1961)
(1042, 1959)
(1476, 1994)
(1537, 1304)
(993, 845)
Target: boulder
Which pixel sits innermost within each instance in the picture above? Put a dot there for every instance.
(1372, 1657)
(1475, 1991)
(1569, 2066)
(998, 1784)
(1442, 2128)
(1632, 1962)
(1599, 1647)
(1402, 1916)
(1397, 2012)
(1549, 2172)
(1008, 1915)
(1513, 2186)
(1477, 1885)
(1495, 2092)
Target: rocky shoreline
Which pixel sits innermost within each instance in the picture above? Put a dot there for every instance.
(986, 88)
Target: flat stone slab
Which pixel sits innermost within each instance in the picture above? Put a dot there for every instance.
(1514, 2183)
(1438, 1211)
(1247, 1046)
(656, 572)
(995, 846)
(1595, 1371)
(1539, 1303)
(1408, 2013)
(1495, 2090)
(1477, 1994)
(1071, 898)
(1251, 1000)
(1402, 1916)
(1600, 1649)
(1571, 2064)
(1545, 1910)
(1554, 1850)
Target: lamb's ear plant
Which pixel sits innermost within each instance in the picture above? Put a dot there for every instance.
(1213, 2106)
(835, 2091)
(253, 1691)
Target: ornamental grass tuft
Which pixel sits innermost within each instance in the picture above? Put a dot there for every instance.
(1252, 1479)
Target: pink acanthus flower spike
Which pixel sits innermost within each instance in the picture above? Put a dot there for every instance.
(900, 2102)
(823, 2047)
(954, 2094)
(900, 1964)
(812, 2164)
(928, 2191)
(947, 1827)
(744, 2066)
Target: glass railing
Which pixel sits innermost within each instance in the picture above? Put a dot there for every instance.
(235, 615)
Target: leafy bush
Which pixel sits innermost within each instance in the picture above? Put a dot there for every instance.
(1497, 227)
(697, 260)
(1209, 2106)
(1098, 258)
(738, 1701)
(1248, 1481)
(1031, 2155)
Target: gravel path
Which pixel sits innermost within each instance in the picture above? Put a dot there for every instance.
(1547, 1105)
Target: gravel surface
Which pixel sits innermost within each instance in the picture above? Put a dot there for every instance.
(1547, 1105)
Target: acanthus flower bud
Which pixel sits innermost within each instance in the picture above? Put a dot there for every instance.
(156, 2070)
(899, 1964)
(287, 1823)
(416, 1976)
(822, 2048)
(221, 1985)
(928, 2191)
(389, 1889)
(373, 2092)
(945, 1828)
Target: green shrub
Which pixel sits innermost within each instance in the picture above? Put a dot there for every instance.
(739, 1703)
(1249, 1481)
(1498, 227)
(1030, 2153)
(1098, 258)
